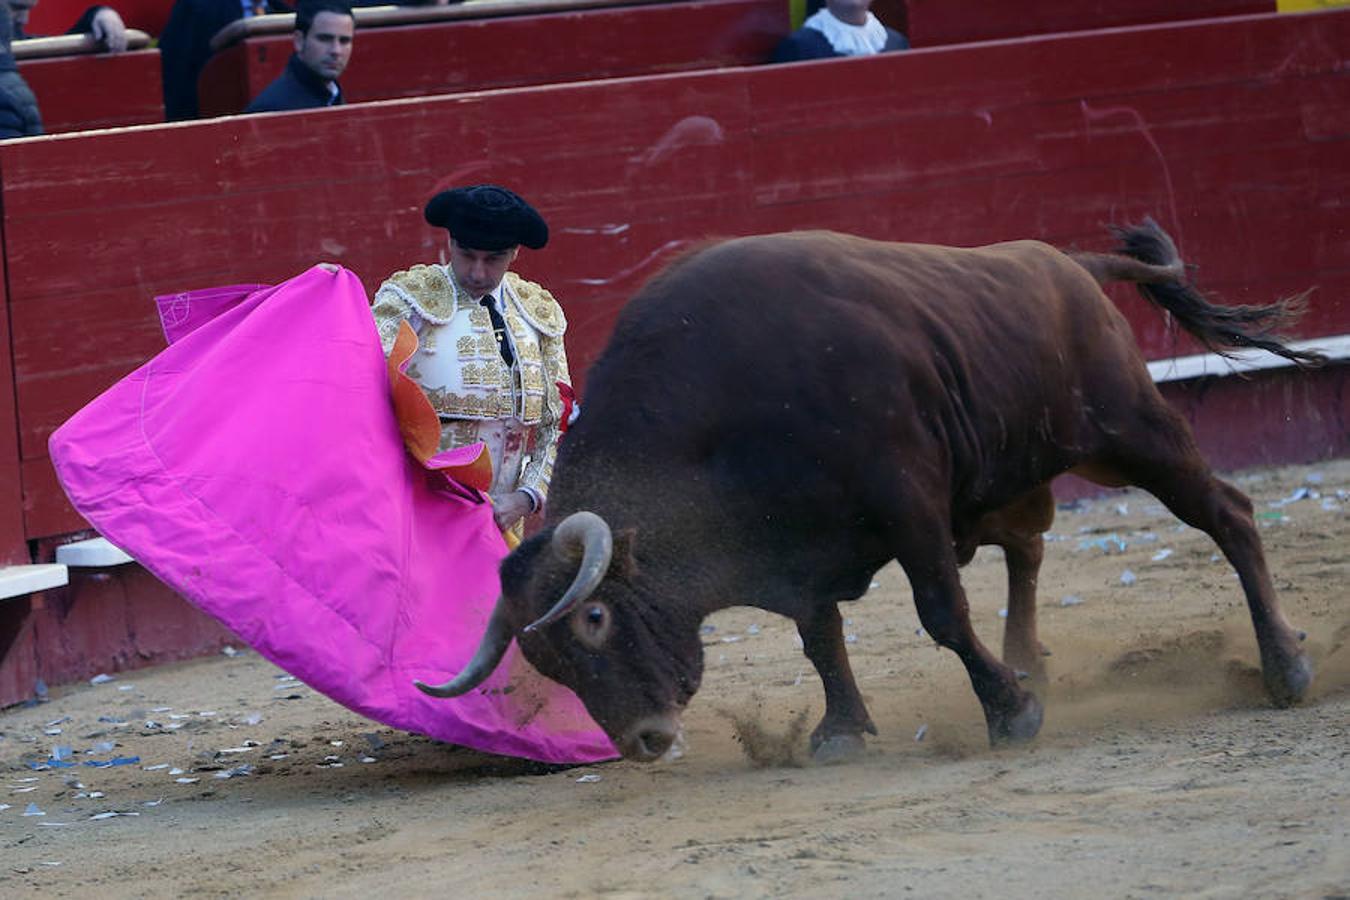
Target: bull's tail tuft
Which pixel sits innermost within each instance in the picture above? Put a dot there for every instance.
(1162, 281)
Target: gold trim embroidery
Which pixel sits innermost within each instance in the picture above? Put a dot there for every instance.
(539, 305)
(534, 407)
(533, 378)
(470, 406)
(458, 434)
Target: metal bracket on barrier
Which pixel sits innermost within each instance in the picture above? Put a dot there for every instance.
(91, 553)
(19, 581)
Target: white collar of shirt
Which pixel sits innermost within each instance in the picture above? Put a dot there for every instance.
(846, 39)
(498, 295)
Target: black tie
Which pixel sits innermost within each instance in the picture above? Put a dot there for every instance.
(498, 329)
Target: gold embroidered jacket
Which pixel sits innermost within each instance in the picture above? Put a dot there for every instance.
(458, 364)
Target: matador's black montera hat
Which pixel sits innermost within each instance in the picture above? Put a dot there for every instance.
(487, 217)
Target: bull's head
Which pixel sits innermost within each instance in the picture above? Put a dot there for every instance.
(632, 660)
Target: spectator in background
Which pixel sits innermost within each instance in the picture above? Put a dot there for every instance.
(185, 45)
(323, 47)
(102, 22)
(841, 28)
(18, 107)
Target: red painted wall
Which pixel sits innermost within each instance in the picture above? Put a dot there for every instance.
(57, 16)
(477, 54)
(1234, 133)
(80, 93)
(934, 22)
(13, 546)
(1227, 412)
(103, 621)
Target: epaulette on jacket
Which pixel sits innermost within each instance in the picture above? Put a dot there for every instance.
(427, 289)
(537, 306)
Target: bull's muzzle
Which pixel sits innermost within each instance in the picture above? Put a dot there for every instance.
(648, 739)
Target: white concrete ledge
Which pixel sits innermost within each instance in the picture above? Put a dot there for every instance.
(91, 553)
(1184, 368)
(16, 581)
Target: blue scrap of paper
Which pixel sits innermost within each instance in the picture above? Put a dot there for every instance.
(115, 761)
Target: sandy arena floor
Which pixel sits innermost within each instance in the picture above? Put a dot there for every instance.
(1161, 771)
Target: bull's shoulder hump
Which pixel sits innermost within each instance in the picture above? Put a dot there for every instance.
(538, 305)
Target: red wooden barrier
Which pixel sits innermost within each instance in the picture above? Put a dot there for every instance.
(477, 54)
(56, 16)
(934, 22)
(100, 622)
(13, 547)
(1233, 133)
(79, 93)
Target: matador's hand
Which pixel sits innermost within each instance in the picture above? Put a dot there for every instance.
(507, 509)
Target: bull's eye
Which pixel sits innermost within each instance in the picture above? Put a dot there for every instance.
(591, 624)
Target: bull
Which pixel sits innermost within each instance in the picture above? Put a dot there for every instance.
(777, 417)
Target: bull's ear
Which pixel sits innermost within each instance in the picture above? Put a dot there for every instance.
(623, 564)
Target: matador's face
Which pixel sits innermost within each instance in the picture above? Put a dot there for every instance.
(480, 271)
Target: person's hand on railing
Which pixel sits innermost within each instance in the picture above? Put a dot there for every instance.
(109, 30)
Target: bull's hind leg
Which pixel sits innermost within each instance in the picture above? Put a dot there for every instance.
(1160, 456)
(1018, 529)
(1011, 713)
(838, 737)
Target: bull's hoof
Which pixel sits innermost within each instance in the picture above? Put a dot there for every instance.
(1287, 681)
(1018, 728)
(837, 749)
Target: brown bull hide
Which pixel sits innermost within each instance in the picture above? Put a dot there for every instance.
(777, 417)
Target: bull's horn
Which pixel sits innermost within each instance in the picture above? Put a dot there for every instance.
(490, 652)
(589, 533)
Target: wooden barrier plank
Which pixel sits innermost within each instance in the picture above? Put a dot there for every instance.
(480, 54)
(896, 147)
(13, 547)
(1227, 412)
(933, 22)
(55, 16)
(46, 511)
(79, 93)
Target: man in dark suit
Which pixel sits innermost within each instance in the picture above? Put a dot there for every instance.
(323, 47)
(185, 45)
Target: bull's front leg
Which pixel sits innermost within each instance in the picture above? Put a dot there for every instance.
(838, 737)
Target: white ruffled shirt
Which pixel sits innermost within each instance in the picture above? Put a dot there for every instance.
(846, 39)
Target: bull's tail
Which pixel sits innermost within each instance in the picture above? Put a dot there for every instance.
(1147, 257)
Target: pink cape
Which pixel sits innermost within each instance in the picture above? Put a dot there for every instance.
(256, 467)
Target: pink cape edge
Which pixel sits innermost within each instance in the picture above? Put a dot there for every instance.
(255, 466)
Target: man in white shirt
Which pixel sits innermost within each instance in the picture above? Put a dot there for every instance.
(841, 28)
